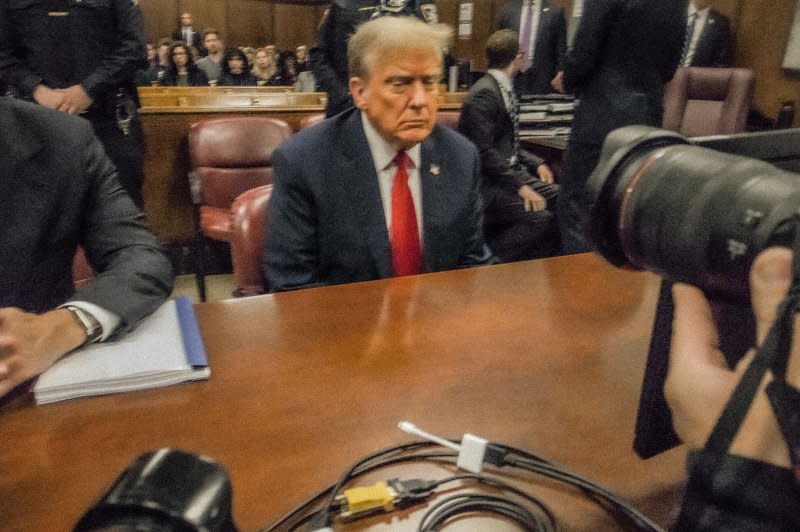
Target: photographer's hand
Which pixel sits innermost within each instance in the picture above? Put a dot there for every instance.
(699, 382)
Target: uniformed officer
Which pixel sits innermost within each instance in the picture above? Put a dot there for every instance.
(80, 57)
(329, 51)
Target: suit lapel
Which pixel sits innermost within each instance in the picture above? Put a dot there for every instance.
(361, 183)
(432, 174)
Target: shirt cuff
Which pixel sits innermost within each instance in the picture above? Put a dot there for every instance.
(108, 320)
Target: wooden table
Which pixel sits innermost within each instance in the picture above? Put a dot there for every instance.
(543, 355)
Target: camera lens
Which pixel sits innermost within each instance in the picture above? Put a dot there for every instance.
(688, 213)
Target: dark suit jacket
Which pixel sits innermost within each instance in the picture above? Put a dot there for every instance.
(197, 38)
(58, 190)
(623, 53)
(485, 120)
(714, 44)
(551, 44)
(325, 220)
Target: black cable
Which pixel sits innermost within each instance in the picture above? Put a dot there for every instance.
(457, 505)
(497, 454)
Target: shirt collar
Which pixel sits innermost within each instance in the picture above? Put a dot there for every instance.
(502, 78)
(700, 12)
(382, 152)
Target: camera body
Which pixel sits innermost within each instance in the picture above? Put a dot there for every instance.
(691, 213)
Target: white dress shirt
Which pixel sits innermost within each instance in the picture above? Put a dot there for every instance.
(382, 157)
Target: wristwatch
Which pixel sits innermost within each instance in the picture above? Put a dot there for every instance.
(89, 323)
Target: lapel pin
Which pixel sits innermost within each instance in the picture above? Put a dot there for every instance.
(435, 169)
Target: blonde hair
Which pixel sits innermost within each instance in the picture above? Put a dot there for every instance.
(375, 38)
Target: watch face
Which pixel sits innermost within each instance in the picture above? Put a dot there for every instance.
(393, 6)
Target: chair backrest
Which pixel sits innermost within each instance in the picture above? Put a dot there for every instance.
(249, 213)
(448, 118)
(232, 154)
(311, 120)
(708, 101)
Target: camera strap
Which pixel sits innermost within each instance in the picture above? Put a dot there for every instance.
(773, 354)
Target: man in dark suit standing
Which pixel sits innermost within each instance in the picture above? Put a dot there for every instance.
(328, 54)
(380, 190)
(58, 190)
(187, 33)
(623, 53)
(518, 191)
(542, 33)
(708, 37)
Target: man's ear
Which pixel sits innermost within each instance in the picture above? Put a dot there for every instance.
(357, 87)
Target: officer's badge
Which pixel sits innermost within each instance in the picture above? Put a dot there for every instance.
(430, 13)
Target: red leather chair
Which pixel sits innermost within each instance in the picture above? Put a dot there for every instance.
(708, 101)
(249, 212)
(227, 156)
(311, 120)
(448, 118)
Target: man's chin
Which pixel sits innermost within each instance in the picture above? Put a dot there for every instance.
(412, 136)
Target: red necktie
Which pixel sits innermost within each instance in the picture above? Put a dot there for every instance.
(406, 255)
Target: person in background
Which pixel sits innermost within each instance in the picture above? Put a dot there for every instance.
(250, 53)
(186, 33)
(542, 32)
(236, 70)
(328, 54)
(182, 71)
(211, 64)
(519, 195)
(622, 55)
(264, 66)
(380, 190)
(156, 72)
(301, 53)
(143, 74)
(287, 70)
(58, 191)
(81, 58)
(708, 37)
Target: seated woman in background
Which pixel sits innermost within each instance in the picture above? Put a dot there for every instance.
(264, 66)
(287, 70)
(235, 70)
(182, 72)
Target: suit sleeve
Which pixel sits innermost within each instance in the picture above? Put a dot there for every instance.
(16, 74)
(561, 40)
(120, 63)
(476, 252)
(478, 122)
(291, 252)
(724, 56)
(135, 276)
(582, 58)
(320, 56)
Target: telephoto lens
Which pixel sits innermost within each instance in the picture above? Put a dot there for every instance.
(688, 213)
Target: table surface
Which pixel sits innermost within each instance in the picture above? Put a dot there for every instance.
(543, 355)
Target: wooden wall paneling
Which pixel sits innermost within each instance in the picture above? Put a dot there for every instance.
(295, 25)
(250, 23)
(160, 18)
(763, 31)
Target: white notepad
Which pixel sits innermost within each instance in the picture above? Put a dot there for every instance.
(165, 349)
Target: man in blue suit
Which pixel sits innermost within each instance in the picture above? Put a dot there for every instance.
(380, 190)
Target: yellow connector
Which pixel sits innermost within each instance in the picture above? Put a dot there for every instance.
(357, 502)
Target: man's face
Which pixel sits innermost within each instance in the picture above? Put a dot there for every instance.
(401, 96)
(186, 19)
(212, 43)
